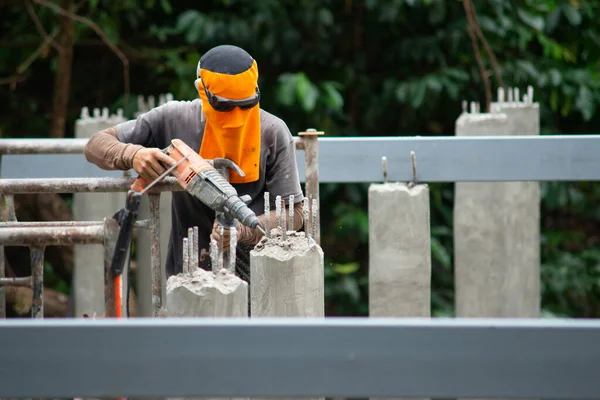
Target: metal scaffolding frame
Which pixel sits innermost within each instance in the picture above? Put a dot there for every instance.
(38, 235)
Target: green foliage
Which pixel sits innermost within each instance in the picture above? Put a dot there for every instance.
(373, 67)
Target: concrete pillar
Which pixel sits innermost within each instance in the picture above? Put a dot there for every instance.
(199, 293)
(496, 227)
(399, 250)
(88, 274)
(286, 272)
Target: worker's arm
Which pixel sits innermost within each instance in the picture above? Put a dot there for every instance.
(130, 145)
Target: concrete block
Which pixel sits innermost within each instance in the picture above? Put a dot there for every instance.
(205, 294)
(399, 251)
(496, 227)
(287, 276)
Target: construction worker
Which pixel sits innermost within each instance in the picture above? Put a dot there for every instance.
(225, 121)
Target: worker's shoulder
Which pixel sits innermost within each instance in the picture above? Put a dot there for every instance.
(272, 125)
(182, 107)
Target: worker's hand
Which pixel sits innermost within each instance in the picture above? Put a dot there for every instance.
(151, 162)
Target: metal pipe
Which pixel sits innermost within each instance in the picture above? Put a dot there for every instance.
(51, 236)
(144, 224)
(311, 160)
(17, 281)
(155, 257)
(42, 146)
(80, 185)
(37, 281)
(62, 146)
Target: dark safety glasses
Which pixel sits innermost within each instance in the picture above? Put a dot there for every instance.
(224, 104)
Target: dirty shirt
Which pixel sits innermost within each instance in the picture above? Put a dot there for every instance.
(182, 120)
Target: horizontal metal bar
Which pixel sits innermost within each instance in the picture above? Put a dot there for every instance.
(296, 357)
(358, 159)
(80, 185)
(144, 223)
(17, 281)
(42, 146)
(61, 146)
(51, 236)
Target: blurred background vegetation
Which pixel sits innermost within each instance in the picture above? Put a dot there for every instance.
(347, 67)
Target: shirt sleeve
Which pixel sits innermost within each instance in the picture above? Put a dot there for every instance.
(282, 177)
(144, 130)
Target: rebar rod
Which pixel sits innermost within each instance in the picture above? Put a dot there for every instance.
(283, 220)
(195, 249)
(190, 250)
(267, 215)
(185, 254)
(306, 218)
(291, 213)
(232, 248)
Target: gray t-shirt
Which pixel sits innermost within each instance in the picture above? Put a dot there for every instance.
(182, 120)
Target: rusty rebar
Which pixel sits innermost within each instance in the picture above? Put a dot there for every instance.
(190, 250)
(221, 249)
(37, 281)
(155, 257)
(291, 213)
(311, 161)
(80, 185)
(267, 215)
(278, 212)
(214, 256)
(283, 221)
(17, 281)
(195, 249)
(42, 146)
(185, 254)
(232, 249)
(51, 236)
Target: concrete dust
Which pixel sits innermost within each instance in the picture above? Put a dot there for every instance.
(295, 245)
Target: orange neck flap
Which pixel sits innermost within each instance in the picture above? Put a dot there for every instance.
(233, 134)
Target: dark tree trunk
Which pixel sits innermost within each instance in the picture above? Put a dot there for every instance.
(62, 82)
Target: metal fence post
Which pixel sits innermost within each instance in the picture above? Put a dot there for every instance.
(311, 160)
(155, 258)
(37, 281)
(111, 233)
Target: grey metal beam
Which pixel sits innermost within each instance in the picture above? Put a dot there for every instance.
(358, 159)
(290, 357)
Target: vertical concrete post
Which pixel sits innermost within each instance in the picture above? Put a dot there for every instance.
(199, 293)
(496, 227)
(88, 275)
(311, 161)
(147, 280)
(399, 250)
(286, 272)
